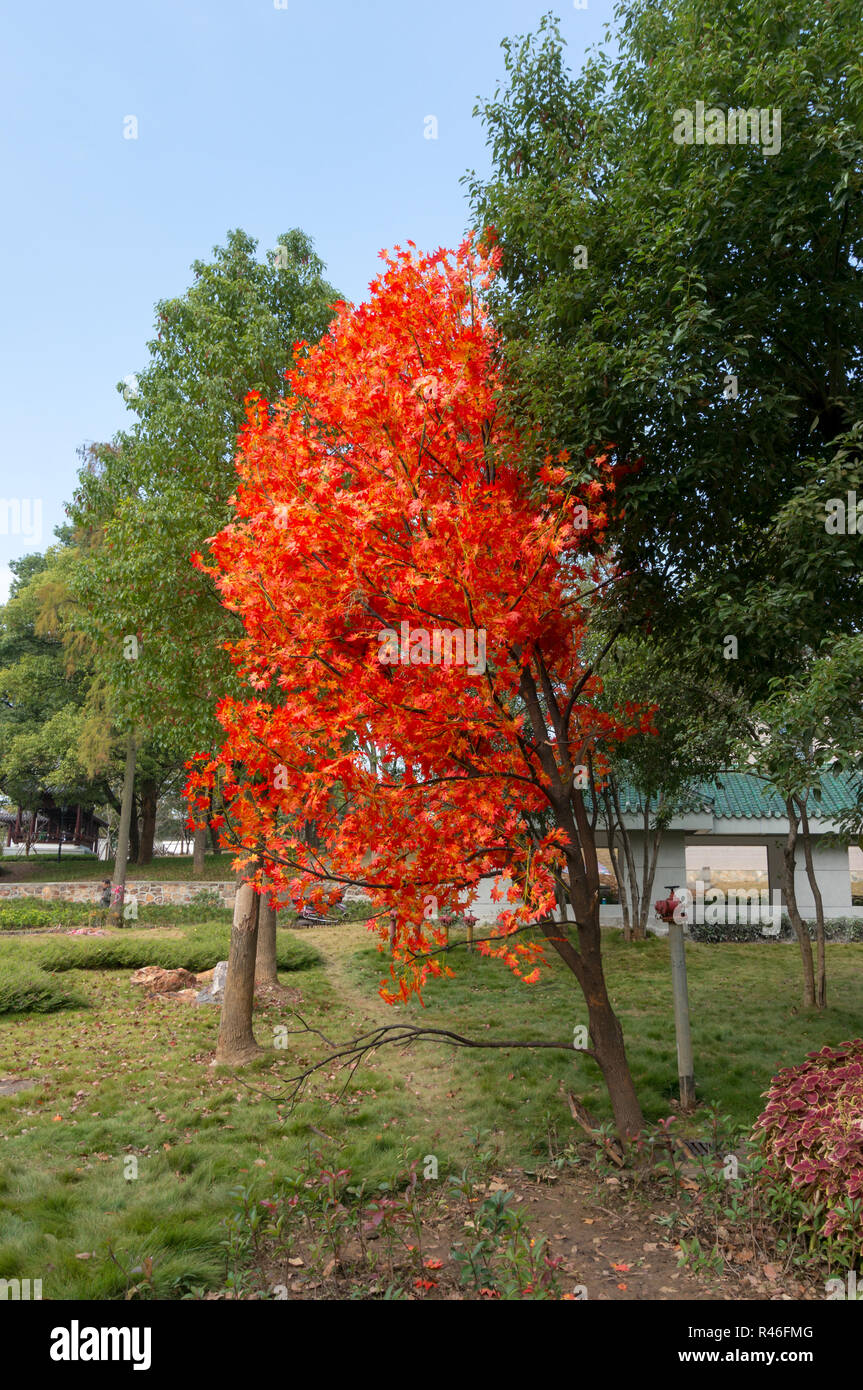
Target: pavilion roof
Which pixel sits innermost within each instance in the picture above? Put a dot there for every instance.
(743, 796)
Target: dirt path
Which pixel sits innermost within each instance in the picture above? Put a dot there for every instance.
(611, 1245)
(429, 1082)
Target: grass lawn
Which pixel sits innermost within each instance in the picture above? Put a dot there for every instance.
(125, 1077)
(45, 868)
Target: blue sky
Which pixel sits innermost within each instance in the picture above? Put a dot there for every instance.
(312, 115)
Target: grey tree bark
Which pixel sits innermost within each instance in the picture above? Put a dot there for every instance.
(121, 858)
(237, 1042)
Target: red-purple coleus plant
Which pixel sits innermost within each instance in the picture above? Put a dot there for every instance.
(812, 1131)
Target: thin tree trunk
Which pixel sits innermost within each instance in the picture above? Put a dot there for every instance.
(237, 1043)
(199, 846)
(820, 940)
(789, 862)
(639, 928)
(149, 806)
(121, 858)
(134, 834)
(632, 877)
(622, 890)
(266, 970)
(650, 876)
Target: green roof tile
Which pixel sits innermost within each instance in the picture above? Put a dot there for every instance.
(742, 796)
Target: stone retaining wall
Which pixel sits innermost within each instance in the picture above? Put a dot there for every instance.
(158, 891)
(167, 892)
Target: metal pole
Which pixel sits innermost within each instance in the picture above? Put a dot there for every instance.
(680, 992)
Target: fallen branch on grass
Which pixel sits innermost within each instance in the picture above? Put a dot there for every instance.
(352, 1054)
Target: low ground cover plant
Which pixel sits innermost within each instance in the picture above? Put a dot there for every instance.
(811, 1134)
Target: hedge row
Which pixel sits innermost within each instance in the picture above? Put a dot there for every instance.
(25, 988)
(198, 949)
(28, 968)
(841, 929)
(23, 914)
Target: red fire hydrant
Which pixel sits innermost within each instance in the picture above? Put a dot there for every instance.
(665, 908)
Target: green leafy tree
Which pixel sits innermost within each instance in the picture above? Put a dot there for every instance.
(809, 724)
(696, 724)
(156, 493)
(836, 691)
(149, 499)
(696, 306)
(45, 696)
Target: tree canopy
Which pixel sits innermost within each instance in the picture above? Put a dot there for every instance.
(381, 507)
(696, 308)
(156, 493)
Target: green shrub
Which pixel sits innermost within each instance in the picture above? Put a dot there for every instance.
(715, 932)
(199, 949)
(207, 897)
(839, 929)
(26, 989)
(23, 913)
(184, 914)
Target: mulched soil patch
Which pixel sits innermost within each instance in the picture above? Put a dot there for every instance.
(611, 1244)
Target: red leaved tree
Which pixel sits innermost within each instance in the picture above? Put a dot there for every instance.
(414, 618)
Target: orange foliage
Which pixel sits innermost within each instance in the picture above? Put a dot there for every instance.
(389, 488)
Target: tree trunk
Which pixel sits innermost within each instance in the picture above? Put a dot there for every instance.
(635, 906)
(604, 1027)
(121, 859)
(607, 1037)
(198, 847)
(149, 806)
(134, 834)
(603, 1024)
(583, 878)
(639, 926)
(820, 940)
(612, 831)
(650, 876)
(623, 895)
(789, 862)
(213, 837)
(237, 1042)
(266, 971)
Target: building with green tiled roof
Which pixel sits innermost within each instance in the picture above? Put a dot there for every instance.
(728, 835)
(725, 844)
